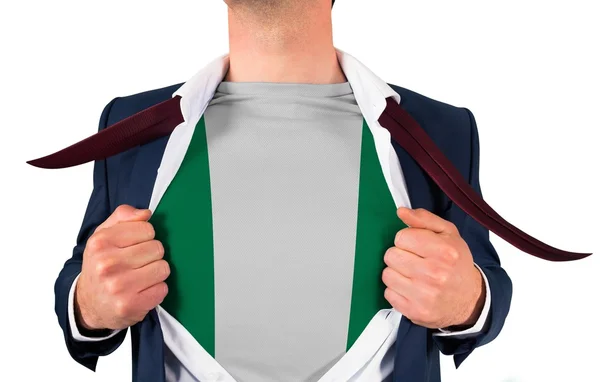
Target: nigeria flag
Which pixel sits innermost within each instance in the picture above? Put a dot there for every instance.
(199, 229)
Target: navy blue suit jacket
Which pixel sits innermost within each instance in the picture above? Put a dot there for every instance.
(128, 178)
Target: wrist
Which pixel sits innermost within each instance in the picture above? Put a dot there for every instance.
(82, 314)
(475, 304)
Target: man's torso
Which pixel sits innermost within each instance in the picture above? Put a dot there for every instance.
(132, 173)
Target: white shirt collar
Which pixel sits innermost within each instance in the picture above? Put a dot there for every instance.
(369, 90)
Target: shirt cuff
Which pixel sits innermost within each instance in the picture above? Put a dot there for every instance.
(485, 312)
(75, 333)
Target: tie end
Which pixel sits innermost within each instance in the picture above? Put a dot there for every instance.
(35, 163)
(571, 256)
(44, 163)
(584, 255)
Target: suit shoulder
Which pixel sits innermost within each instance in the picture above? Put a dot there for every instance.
(433, 115)
(125, 106)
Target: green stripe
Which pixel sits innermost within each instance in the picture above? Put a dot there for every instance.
(183, 223)
(377, 225)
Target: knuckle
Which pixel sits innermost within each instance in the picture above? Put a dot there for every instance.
(163, 290)
(389, 256)
(421, 211)
(442, 278)
(113, 286)
(401, 236)
(452, 254)
(167, 269)
(439, 276)
(160, 249)
(122, 210)
(121, 308)
(163, 270)
(155, 295)
(386, 276)
(104, 266)
(160, 293)
(148, 230)
(452, 227)
(406, 236)
(97, 241)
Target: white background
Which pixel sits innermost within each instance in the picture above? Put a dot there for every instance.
(528, 70)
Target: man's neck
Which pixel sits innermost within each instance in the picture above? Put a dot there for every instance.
(288, 45)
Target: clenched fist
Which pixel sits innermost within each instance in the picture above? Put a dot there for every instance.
(431, 278)
(123, 272)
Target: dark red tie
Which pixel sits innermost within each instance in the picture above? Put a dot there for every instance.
(160, 120)
(143, 127)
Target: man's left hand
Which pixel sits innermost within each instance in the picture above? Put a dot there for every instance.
(430, 275)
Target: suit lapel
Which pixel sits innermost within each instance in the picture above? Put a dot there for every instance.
(144, 172)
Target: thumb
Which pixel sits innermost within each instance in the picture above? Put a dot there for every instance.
(125, 213)
(421, 218)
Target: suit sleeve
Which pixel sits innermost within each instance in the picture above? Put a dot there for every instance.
(485, 256)
(98, 210)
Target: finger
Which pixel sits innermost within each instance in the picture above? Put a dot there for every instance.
(150, 274)
(421, 242)
(152, 296)
(405, 306)
(125, 213)
(399, 302)
(421, 218)
(406, 263)
(126, 234)
(139, 255)
(397, 282)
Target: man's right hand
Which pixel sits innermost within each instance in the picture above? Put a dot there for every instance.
(123, 272)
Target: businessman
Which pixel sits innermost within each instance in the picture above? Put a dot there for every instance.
(284, 215)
